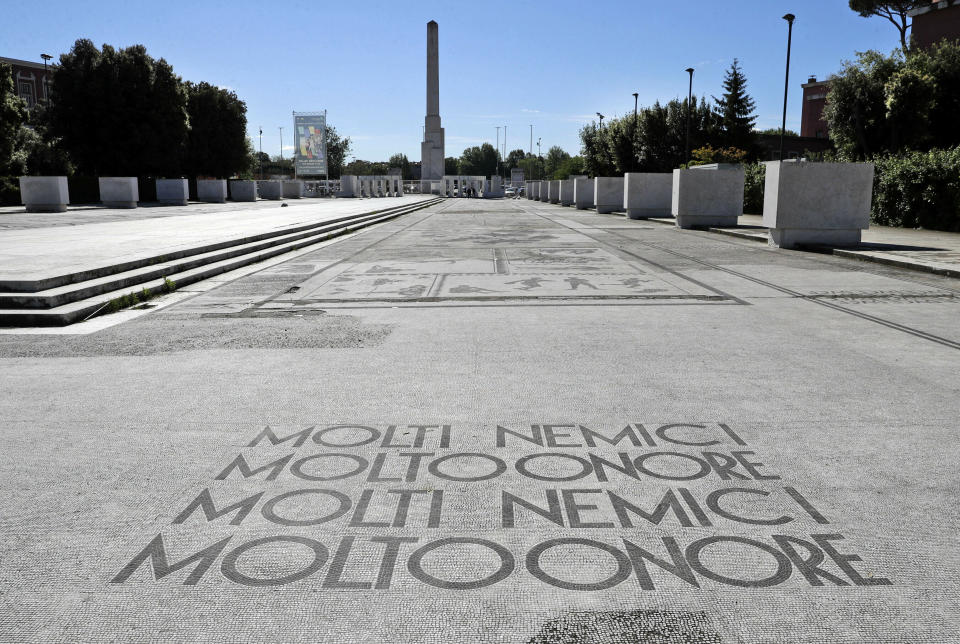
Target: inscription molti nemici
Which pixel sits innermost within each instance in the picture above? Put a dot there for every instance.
(367, 507)
(432, 148)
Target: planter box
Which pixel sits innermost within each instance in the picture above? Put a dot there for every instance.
(173, 192)
(119, 192)
(817, 203)
(647, 194)
(270, 189)
(583, 192)
(348, 186)
(608, 194)
(212, 190)
(44, 194)
(708, 195)
(554, 191)
(545, 191)
(566, 192)
(293, 189)
(241, 190)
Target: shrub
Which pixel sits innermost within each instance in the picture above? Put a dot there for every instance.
(755, 174)
(918, 189)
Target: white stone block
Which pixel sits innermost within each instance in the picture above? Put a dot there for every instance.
(566, 192)
(710, 195)
(119, 192)
(817, 203)
(608, 194)
(293, 189)
(554, 189)
(647, 194)
(173, 192)
(545, 191)
(212, 190)
(348, 186)
(583, 193)
(270, 189)
(44, 194)
(241, 190)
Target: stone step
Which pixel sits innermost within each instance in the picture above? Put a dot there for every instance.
(48, 282)
(87, 307)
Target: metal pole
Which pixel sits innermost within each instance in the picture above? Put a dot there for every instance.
(261, 153)
(504, 141)
(633, 139)
(281, 149)
(46, 82)
(686, 156)
(531, 140)
(498, 148)
(786, 83)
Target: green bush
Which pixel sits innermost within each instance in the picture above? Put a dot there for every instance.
(755, 174)
(918, 190)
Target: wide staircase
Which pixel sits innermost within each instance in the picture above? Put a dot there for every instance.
(63, 299)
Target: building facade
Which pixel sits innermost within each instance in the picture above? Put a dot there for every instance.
(934, 22)
(812, 123)
(31, 81)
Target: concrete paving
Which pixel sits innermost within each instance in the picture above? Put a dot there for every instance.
(495, 421)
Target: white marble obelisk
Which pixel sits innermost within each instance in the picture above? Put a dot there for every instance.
(432, 148)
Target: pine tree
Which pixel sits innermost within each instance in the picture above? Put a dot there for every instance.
(735, 110)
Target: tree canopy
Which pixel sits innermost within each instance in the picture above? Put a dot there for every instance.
(479, 160)
(893, 10)
(735, 110)
(217, 139)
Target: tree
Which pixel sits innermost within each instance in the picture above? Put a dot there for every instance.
(338, 149)
(556, 157)
(13, 112)
(776, 131)
(532, 167)
(217, 141)
(118, 112)
(735, 109)
(479, 161)
(451, 166)
(893, 10)
(569, 166)
(401, 161)
(513, 159)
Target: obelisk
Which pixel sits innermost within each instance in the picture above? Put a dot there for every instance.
(432, 148)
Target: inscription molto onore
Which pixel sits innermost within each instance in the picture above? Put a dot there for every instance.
(361, 506)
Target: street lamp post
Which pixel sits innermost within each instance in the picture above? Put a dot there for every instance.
(601, 119)
(633, 139)
(531, 140)
(689, 70)
(46, 82)
(261, 153)
(281, 149)
(498, 149)
(786, 83)
(540, 157)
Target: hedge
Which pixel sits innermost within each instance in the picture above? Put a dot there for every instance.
(918, 190)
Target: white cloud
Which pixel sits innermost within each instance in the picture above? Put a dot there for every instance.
(530, 111)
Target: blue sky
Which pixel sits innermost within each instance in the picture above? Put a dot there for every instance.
(550, 64)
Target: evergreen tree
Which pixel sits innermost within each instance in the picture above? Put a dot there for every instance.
(735, 110)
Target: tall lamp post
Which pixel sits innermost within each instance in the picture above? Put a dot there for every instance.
(689, 70)
(498, 149)
(786, 83)
(634, 137)
(46, 82)
(540, 157)
(261, 153)
(531, 140)
(601, 119)
(281, 149)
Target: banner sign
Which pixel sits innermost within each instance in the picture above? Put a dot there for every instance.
(311, 142)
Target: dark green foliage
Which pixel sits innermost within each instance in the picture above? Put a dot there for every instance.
(479, 161)
(882, 104)
(118, 112)
(337, 151)
(217, 140)
(918, 189)
(755, 175)
(450, 165)
(532, 167)
(776, 131)
(13, 112)
(735, 110)
(893, 10)
(554, 160)
(513, 160)
(401, 161)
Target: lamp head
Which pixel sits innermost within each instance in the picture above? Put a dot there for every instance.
(689, 70)
(600, 115)
(789, 18)
(46, 56)
(635, 94)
